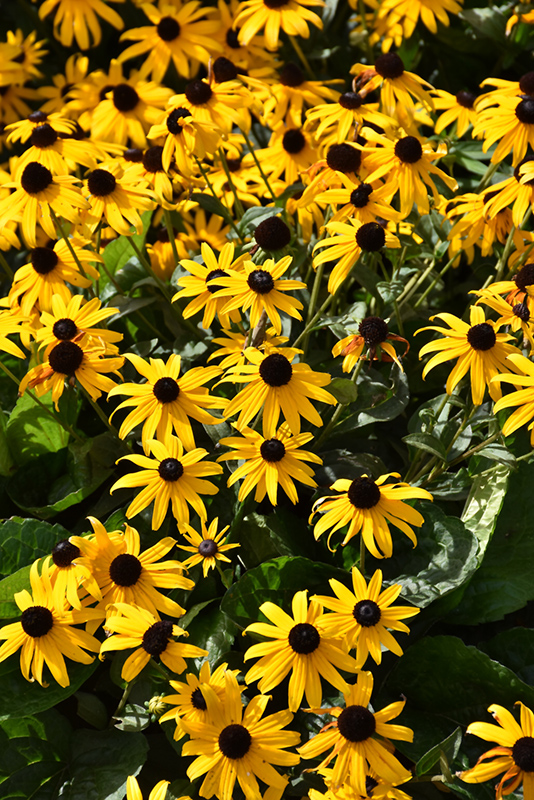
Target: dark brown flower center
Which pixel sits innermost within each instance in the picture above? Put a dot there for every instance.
(366, 613)
(260, 281)
(275, 3)
(356, 723)
(156, 638)
(481, 337)
(525, 277)
(38, 116)
(234, 741)
(465, 99)
(36, 621)
(105, 90)
(526, 83)
(272, 234)
(521, 311)
(523, 753)
(291, 75)
(344, 158)
(174, 116)
(152, 159)
(272, 450)
(65, 358)
(208, 548)
(168, 29)
(224, 70)
(133, 154)
(101, 183)
(233, 164)
(232, 38)
(524, 111)
(360, 196)
(197, 700)
(35, 178)
(304, 638)
(409, 150)
(215, 273)
(293, 141)
(198, 92)
(363, 493)
(125, 98)
(371, 236)
(276, 370)
(43, 259)
(125, 569)
(389, 65)
(64, 553)
(43, 136)
(374, 330)
(351, 101)
(170, 469)
(65, 329)
(166, 390)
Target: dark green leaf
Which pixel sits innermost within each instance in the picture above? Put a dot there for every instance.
(214, 631)
(210, 203)
(119, 251)
(514, 649)
(7, 462)
(24, 540)
(426, 442)
(448, 746)
(16, 582)
(31, 431)
(344, 390)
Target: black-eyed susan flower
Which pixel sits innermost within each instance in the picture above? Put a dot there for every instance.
(59, 153)
(398, 87)
(221, 104)
(334, 123)
(208, 548)
(79, 19)
(127, 575)
(353, 743)
(185, 139)
(117, 199)
(514, 754)
(200, 228)
(260, 288)
(232, 346)
(200, 284)
(37, 193)
(31, 52)
(188, 702)
(457, 108)
(345, 247)
(293, 93)
(80, 361)
(45, 633)
(376, 787)
(518, 189)
(518, 290)
(481, 224)
(364, 616)
(278, 386)
(167, 402)
(70, 321)
(510, 124)
(290, 152)
(239, 744)
(369, 507)
(292, 16)
(159, 792)
(22, 130)
(515, 315)
(524, 397)
(179, 32)
(171, 477)
(402, 16)
(297, 646)
(57, 99)
(366, 202)
(47, 272)
(135, 627)
(270, 463)
(479, 348)
(68, 578)
(10, 324)
(373, 335)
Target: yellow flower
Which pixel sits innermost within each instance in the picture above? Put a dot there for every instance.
(292, 16)
(79, 18)
(208, 548)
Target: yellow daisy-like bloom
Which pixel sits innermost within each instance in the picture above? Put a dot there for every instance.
(75, 70)
(406, 163)
(179, 32)
(290, 152)
(31, 52)
(457, 108)
(364, 615)
(373, 335)
(511, 124)
(259, 288)
(70, 579)
(69, 321)
(166, 402)
(220, 104)
(185, 138)
(60, 153)
(278, 386)
(237, 744)
(345, 247)
(292, 16)
(172, 476)
(478, 347)
(514, 754)
(10, 324)
(353, 741)
(518, 290)
(37, 193)
(22, 130)
(518, 189)
(479, 225)
(125, 575)
(117, 199)
(136, 627)
(234, 344)
(381, 789)
(200, 284)
(363, 201)
(516, 315)
(207, 548)
(270, 463)
(189, 701)
(211, 230)
(298, 647)
(45, 632)
(79, 19)
(292, 94)
(159, 792)
(524, 398)
(80, 361)
(398, 87)
(334, 123)
(405, 14)
(369, 506)
(48, 271)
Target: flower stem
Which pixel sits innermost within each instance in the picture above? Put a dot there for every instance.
(238, 204)
(101, 414)
(303, 60)
(170, 233)
(228, 217)
(259, 166)
(339, 409)
(5, 266)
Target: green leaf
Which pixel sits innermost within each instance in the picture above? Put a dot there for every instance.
(379, 399)
(210, 203)
(92, 710)
(119, 251)
(13, 583)
(503, 583)
(489, 22)
(514, 649)
(30, 431)
(483, 505)
(390, 290)
(253, 216)
(214, 631)
(344, 390)
(464, 681)
(426, 442)
(134, 718)
(498, 452)
(7, 463)
(449, 747)
(444, 559)
(276, 581)
(24, 540)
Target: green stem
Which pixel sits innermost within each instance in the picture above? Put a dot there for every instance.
(69, 245)
(101, 414)
(259, 166)
(488, 175)
(67, 428)
(303, 60)
(229, 218)
(362, 554)
(330, 299)
(413, 285)
(238, 204)
(170, 234)
(427, 291)
(123, 700)
(7, 269)
(338, 410)
(501, 265)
